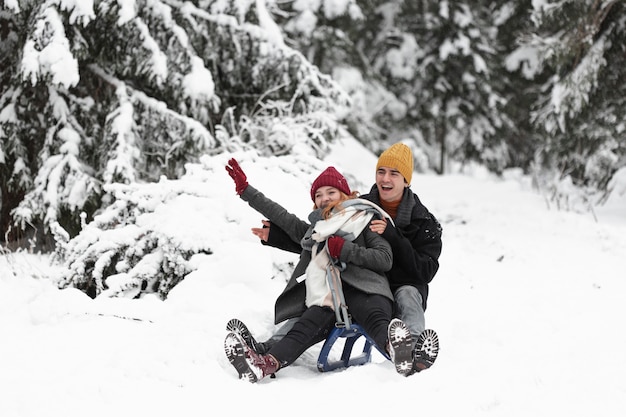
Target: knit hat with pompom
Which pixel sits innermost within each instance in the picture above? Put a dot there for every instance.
(332, 178)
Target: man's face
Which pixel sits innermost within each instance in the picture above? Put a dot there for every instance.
(390, 184)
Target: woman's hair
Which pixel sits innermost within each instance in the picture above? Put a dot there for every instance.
(327, 211)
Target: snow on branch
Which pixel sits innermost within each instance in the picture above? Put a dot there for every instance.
(134, 95)
(571, 94)
(126, 154)
(47, 52)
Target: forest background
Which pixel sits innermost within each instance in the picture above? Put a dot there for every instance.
(98, 97)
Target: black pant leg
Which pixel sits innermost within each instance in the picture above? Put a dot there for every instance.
(373, 312)
(312, 327)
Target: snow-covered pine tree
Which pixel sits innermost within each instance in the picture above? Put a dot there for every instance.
(344, 38)
(104, 92)
(583, 45)
(519, 77)
(123, 252)
(448, 82)
(401, 60)
(101, 100)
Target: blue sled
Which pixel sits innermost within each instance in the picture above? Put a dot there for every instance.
(351, 335)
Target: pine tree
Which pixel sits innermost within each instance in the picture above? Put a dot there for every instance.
(131, 91)
(344, 39)
(458, 106)
(102, 108)
(583, 44)
(519, 77)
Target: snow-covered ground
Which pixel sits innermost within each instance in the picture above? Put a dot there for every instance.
(528, 305)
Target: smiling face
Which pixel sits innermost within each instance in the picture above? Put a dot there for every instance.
(390, 184)
(325, 195)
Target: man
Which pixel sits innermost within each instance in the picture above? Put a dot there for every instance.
(415, 242)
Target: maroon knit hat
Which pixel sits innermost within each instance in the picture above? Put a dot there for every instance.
(332, 178)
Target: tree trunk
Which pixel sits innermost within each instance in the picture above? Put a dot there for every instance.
(442, 131)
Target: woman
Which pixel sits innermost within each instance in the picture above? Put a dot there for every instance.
(366, 290)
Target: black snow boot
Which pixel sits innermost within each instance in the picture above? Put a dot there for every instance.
(250, 365)
(237, 326)
(425, 351)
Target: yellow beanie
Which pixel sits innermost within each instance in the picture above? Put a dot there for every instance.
(399, 157)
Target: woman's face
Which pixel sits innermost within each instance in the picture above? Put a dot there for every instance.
(390, 184)
(326, 195)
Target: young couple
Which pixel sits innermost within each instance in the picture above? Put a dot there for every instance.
(390, 258)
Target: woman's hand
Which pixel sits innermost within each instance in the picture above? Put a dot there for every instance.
(335, 244)
(262, 233)
(237, 174)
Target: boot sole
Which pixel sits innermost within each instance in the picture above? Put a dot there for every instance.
(235, 352)
(426, 350)
(238, 327)
(400, 341)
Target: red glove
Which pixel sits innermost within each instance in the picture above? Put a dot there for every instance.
(237, 174)
(335, 243)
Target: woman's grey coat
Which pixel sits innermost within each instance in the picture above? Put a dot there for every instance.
(368, 257)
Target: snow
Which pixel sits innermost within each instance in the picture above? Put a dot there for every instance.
(127, 11)
(199, 82)
(55, 59)
(526, 57)
(266, 22)
(335, 8)
(82, 11)
(127, 151)
(12, 5)
(527, 304)
(401, 61)
(158, 59)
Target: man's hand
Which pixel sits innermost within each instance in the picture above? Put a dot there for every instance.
(378, 226)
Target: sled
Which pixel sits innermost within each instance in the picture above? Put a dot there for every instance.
(351, 334)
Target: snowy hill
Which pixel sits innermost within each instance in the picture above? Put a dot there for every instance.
(528, 305)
